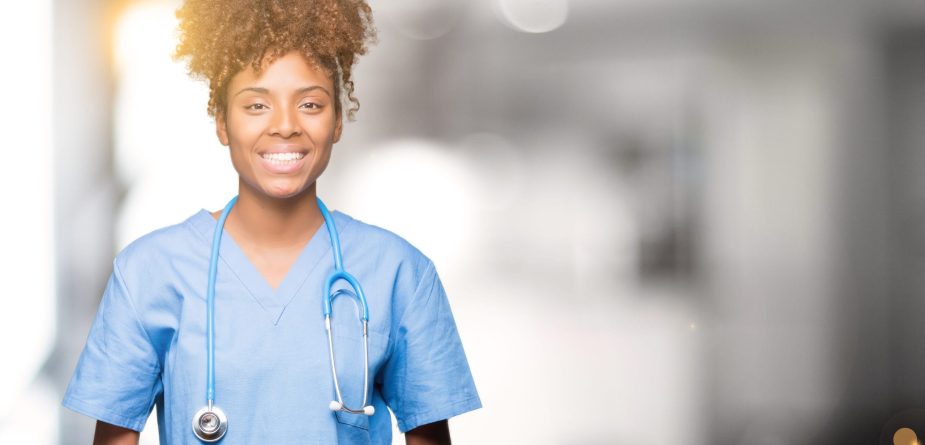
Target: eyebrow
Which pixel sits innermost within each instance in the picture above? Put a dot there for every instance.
(303, 90)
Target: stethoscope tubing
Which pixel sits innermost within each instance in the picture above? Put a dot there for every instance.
(339, 272)
(210, 302)
(327, 299)
(215, 432)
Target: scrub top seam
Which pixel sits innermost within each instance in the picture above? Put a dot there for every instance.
(417, 287)
(442, 412)
(98, 412)
(347, 224)
(243, 282)
(311, 270)
(404, 365)
(234, 272)
(128, 294)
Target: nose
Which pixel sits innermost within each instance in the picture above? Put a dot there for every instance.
(285, 124)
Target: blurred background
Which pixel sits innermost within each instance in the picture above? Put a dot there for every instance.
(658, 221)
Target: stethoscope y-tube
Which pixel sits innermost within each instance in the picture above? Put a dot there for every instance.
(210, 422)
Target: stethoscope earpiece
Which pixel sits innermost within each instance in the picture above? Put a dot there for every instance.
(210, 424)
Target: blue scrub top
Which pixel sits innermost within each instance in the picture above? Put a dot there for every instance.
(147, 346)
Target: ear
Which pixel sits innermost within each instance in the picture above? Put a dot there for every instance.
(221, 128)
(338, 126)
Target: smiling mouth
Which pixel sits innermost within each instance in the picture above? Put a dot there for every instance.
(283, 158)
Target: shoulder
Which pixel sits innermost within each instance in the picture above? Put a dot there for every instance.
(167, 244)
(382, 240)
(387, 248)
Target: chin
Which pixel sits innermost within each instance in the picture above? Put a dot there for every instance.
(281, 195)
(284, 192)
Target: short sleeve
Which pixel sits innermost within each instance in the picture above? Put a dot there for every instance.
(118, 373)
(427, 376)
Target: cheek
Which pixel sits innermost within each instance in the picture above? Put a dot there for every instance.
(322, 131)
(240, 162)
(318, 125)
(240, 146)
(244, 131)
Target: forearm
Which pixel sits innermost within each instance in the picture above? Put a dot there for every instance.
(437, 433)
(107, 434)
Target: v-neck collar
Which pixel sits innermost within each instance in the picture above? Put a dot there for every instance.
(273, 302)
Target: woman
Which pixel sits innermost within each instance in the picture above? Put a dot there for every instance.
(276, 72)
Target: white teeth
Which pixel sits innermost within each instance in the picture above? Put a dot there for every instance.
(283, 157)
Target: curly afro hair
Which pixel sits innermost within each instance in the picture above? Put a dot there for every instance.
(221, 37)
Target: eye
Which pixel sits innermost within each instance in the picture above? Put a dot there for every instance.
(256, 107)
(310, 106)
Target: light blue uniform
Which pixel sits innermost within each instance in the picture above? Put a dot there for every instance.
(147, 346)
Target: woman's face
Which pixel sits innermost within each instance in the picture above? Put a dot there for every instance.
(280, 126)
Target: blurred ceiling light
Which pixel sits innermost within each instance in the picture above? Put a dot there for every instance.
(533, 16)
(144, 35)
(420, 19)
(143, 44)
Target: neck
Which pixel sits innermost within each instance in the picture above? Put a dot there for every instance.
(272, 222)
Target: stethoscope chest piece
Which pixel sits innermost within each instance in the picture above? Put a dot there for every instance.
(210, 424)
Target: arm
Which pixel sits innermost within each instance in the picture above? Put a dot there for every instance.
(437, 433)
(118, 374)
(107, 434)
(427, 376)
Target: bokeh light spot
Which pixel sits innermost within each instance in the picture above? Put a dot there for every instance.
(533, 16)
(905, 436)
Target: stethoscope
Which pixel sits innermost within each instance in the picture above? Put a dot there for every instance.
(210, 423)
